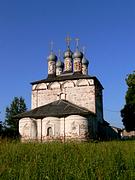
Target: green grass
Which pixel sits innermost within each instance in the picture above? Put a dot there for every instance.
(69, 161)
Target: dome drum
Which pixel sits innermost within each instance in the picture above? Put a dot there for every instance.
(77, 65)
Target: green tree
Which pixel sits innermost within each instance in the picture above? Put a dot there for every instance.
(16, 107)
(128, 112)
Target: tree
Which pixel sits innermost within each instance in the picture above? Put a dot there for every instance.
(128, 112)
(16, 107)
(1, 128)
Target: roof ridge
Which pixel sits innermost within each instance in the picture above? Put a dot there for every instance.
(76, 106)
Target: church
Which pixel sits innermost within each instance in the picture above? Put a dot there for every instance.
(68, 104)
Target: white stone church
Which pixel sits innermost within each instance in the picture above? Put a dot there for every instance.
(67, 105)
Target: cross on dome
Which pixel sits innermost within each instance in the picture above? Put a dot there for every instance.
(77, 43)
(51, 46)
(68, 40)
(83, 49)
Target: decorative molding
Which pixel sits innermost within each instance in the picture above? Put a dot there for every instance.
(68, 84)
(54, 85)
(41, 86)
(82, 82)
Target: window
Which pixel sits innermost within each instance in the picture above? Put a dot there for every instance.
(49, 131)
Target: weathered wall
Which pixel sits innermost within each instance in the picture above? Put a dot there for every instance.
(54, 124)
(73, 127)
(80, 92)
(76, 127)
(28, 129)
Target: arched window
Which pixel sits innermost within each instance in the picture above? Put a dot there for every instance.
(49, 131)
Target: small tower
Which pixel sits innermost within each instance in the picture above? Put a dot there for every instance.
(68, 66)
(85, 64)
(77, 57)
(59, 65)
(52, 58)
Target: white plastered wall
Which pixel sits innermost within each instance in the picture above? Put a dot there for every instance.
(28, 129)
(80, 92)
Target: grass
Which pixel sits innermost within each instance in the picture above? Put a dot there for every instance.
(69, 161)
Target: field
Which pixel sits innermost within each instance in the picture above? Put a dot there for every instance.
(69, 161)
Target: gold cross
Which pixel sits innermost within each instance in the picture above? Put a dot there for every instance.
(68, 40)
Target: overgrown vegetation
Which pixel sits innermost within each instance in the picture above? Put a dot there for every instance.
(35, 161)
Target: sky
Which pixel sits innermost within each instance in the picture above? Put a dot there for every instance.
(105, 27)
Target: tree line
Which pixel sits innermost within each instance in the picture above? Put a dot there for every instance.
(10, 127)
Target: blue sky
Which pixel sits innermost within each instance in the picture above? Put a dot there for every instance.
(105, 27)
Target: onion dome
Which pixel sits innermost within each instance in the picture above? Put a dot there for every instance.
(59, 63)
(68, 54)
(85, 61)
(52, 57)
(77, 54)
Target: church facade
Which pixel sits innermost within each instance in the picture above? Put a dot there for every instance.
(67, 105)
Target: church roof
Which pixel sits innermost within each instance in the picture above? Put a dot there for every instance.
(58, 108)
(70, 76)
